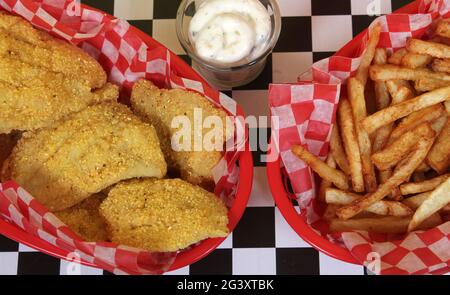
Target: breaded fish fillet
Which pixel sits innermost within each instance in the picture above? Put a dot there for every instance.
(159, 107)
(85, 220)
(163, 215)
(43, 79)
(19, 39)
(29, 108)
(84, 154)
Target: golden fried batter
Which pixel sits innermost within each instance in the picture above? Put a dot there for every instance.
(19, 39)
(159, 107)
(86, 153)
(29, 108)
(163, 215)
(43, 79)
(84, 219)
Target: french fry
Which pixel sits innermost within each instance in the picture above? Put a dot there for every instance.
(324, 184)
(403, 109)
(424, 84)
(357, 101)
(447, 107)
(443, 29)
(423, 186)
(365, 214)
(382, 225)
(380, 56)
(401, 173)
(337, 177)
(337, 150)
(356, 98)
(330, 212)
(396, 57)
(441, 65)
(437, 200)
(392, 72)
(389, 224)
(415, 60)
(439, 124)
(381, 137)
(400, 90)
(424, 167)
(440, 39)
(400, 148)
(406, 136)
(395, 195)
(382, 100)
(430, 48)
(427, 115)
(402, 163)
(345, 117)
(383, 176)
(439, 156)
(362, 73)
(339, 197)
(406, 84)
(414, 202)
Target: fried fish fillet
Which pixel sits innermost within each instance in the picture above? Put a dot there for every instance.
(19, 39)
(160, 107)
(29, 108)
(85, 220)
(43, 79)
(84, 154)
(163, 215)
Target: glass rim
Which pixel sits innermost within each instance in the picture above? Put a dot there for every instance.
(217, 67)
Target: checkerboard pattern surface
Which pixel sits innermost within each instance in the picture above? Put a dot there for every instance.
(263, 243)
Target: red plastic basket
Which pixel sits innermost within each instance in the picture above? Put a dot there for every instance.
(196, 252)
(282, 198)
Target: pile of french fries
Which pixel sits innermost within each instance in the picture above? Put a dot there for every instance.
(387, 168)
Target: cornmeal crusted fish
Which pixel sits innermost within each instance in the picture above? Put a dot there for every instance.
(20, 39)
(43, 79)
(159, 107)
(78, 157)
(85, 220)
(163, 215)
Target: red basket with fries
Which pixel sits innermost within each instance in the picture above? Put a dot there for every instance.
(126, 54)
(303, 116)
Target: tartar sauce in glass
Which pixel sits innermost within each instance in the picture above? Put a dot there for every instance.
(229, 32)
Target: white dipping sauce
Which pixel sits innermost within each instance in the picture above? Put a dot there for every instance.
(230, 31)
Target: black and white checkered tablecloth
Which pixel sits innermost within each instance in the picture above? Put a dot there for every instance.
(262, 243)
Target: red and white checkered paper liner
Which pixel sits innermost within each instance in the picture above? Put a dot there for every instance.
(304, 113)
(126, 58)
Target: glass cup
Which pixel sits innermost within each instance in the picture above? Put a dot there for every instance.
(225, 76)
